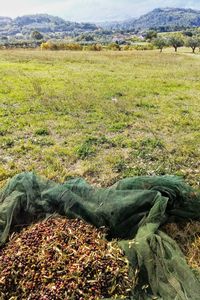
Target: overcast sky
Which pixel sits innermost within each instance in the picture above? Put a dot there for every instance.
(89, 10)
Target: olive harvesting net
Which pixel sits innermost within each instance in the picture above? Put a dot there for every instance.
(133, 211)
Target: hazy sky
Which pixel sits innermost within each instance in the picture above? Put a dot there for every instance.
(89, 10)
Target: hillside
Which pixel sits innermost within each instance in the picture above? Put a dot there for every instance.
(43, 23)
(169, 17)
(5, 21)
(162, 18)
(159, 17)
(122, 25)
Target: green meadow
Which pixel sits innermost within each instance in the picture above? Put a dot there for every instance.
(99, 115)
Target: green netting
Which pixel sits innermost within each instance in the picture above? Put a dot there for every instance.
(132, 210)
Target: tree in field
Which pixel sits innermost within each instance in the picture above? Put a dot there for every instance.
(151, 34)
(159, 43)
(176, 42)
(193, 43)
(36, 35)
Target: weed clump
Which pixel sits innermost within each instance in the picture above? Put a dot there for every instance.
(87, 148)
(42, 131)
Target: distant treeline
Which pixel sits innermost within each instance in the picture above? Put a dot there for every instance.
(95, 47)
(54, 46)
(152, 41)
(20, 44)
(76, 46)
(160, 42)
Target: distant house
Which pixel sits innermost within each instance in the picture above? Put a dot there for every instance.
(19, 36)
(120, 39)
(141, 37)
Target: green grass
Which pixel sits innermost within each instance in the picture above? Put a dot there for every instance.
(103, 116)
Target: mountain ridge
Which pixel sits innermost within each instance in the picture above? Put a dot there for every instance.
(158, 17)
(48, 24)
(43, 23)
(168, 16)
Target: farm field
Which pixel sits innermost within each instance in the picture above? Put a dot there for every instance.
(100, 115)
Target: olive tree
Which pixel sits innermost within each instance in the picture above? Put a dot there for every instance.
(193, 43)
(159, 43)
(176, 42)
(151, 34)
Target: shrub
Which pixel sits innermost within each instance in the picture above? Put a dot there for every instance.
(48, 46)
(144, 47)
(114, 46)
(73, 46)
(61, 46)
(95, 47)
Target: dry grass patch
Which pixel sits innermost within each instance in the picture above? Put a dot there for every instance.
(187, 235)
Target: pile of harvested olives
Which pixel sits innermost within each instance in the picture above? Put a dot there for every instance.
(61, 258)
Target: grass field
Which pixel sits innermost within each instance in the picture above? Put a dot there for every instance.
(103, 116)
